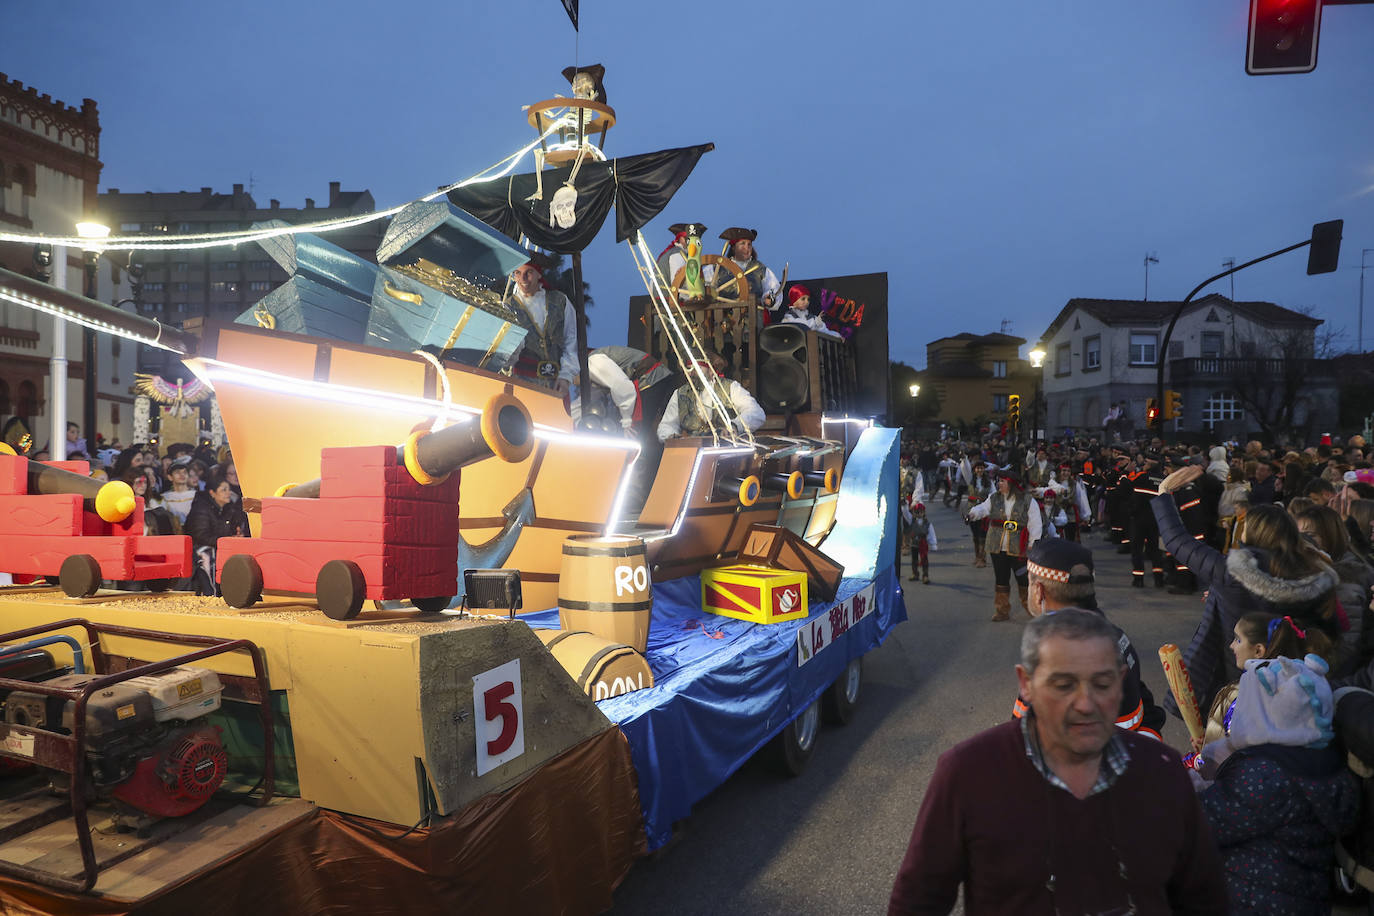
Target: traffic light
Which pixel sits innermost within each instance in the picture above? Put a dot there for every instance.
(1283, 36)
(1014, 409)
(1152, 413)
(1173, 405)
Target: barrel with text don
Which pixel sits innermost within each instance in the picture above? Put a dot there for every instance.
(601, 667)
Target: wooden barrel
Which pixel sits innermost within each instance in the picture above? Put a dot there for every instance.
(602, 667)
(604, 588)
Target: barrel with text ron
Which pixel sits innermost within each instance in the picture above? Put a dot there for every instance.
(604, 588)
(603, 668)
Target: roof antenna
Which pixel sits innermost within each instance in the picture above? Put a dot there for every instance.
(1006, 326)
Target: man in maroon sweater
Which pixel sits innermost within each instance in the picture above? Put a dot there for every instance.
(1060, 811)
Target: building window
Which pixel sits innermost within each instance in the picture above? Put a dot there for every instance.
(259, 286)
(154, 287)
(224, 286)
(227, 265)
(130, 227)
(1222, 405)
(183, 307)
(1143, 349)
(1063, 354)
(1092, 353)
(1212, 342)
(999, 368)
(999, 403)
(181, 267)
(182, 287)
(259, 265)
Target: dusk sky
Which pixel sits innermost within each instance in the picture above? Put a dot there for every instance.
(996, 159)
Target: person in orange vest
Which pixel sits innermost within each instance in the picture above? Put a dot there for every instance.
(1061, 576)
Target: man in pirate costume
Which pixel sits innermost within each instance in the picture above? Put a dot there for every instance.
(633, 381)
(1013, 525)
(1061, 576)
(549, 355)
(684, 416)
(739, 247)
(674, 257)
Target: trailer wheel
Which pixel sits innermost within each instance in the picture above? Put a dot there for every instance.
(80, 576)
(241, 581)
(432, 605)
(340, 588)
(842, 698)
(796, 744)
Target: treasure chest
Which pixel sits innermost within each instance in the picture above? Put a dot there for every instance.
(754, 593)
(438, 265)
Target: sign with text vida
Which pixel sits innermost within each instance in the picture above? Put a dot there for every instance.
(818, 633)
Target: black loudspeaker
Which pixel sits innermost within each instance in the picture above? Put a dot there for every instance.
(784, 384)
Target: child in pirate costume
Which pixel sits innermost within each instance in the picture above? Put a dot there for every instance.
(1013, 525)
(799, 310)
(922, 542)
(549, 355)
(684, 416)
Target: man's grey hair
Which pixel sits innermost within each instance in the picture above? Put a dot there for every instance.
(1068, 594)
(1070, 623)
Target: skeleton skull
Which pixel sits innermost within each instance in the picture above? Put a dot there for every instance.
(563, 207)
(583, 86)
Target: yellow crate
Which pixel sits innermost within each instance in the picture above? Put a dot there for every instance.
(754, 593)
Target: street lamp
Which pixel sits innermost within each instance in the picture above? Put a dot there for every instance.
(1037, 359)
(915, 391)
(93, 231)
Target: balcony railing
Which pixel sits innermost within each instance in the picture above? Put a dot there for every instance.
(1228, 367)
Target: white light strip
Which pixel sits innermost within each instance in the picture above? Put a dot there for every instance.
(95, 324)
(211, 370)
(866, 422)
(618, 506)
(232, 239)
(691, 485)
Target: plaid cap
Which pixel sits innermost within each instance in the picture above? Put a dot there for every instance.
(1060, 560)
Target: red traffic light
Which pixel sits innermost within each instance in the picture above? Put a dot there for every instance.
(1283, 36)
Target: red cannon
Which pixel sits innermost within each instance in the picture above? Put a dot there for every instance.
(380, 523)
(55, 521)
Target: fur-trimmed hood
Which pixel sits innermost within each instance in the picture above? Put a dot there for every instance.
(1249, 567)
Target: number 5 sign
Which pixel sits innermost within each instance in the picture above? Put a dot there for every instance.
(500, 716)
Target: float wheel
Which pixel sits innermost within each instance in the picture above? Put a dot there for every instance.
(80, 576)
(797, 742)
(432, 605)
(241, 581)
(842, 698)
(340, 589)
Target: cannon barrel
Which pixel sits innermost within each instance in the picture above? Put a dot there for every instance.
(791, 484)
(828, 480)
(112, 500)
(504, 429)
(745, 489)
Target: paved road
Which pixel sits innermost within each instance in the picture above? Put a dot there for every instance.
(830, 841)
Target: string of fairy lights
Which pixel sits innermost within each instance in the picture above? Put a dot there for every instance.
(233, 238)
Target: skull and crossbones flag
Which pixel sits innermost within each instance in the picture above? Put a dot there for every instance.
(571, 7)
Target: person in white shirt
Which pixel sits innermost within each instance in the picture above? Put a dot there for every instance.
(549, 355)
(1013, 525)
(685, 417)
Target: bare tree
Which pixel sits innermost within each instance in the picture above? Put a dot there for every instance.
(1273, 382)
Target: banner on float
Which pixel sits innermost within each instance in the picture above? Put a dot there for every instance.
(819, 632)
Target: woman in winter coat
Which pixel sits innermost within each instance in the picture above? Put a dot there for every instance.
(1272, 569)
(1323, 525)
(214, 514)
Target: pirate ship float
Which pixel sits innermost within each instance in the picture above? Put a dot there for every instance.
(351, 396)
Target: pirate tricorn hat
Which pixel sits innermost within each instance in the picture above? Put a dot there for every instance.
(675, 228)
(598, 75)
(734, 234)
